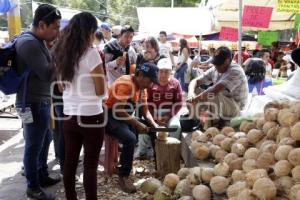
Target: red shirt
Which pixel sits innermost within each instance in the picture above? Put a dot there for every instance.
(165, 97)
(245, 56)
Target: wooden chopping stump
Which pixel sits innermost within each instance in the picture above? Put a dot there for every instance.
(167, 156)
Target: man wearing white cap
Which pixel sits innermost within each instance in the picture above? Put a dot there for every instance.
(164, 102)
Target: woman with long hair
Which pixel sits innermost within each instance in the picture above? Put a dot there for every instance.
(256, 72)
(79, 67)
(182, 63)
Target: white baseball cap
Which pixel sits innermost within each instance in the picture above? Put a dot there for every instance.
(164, 63)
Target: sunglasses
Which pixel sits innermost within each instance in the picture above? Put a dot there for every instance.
(55, 11)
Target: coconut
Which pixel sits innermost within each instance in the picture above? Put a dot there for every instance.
(226, 130)
(238, 149)
(196, 134)
(246, 194)
(239, 135)
(268, 125)
(183, 172)
(236, 188)
(251, 153)
(199, 150)
(221, 169)
(163, 193)
(295, 192)
(283, 132)
(296, 173)
(264, 188)
(244, 142)
(271, 114)
(219, 184)
(254, 136)
(259, 143)
(295, 107)
(227, 143)
(282, 168)
(287, 141)
(212, 131)
(284, 184)
(186, 198)
(254, 175)
(249, 165)
(294, 157)
(194, 177)
(238, 175)
(213, 149)
(230, 157)
(182, 189)
(150, 185)
(265, 160)
(260, 123)
(295, 131)
(282, 152)
(162, 135)
(272, 133)
(218, 139)
(243, 125)
(171, 180)
(207, 174)
(220, 155)
(247, 126)
(236, 164)
(201, 192)
(287, 117)
(268, 148)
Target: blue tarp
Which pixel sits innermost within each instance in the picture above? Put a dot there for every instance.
(6, 5)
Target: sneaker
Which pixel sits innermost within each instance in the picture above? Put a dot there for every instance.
(38, 194)
(126, 185)
(48, 181)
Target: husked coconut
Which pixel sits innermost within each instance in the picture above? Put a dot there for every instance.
(238, 135)
(201, 192)
(268, 125)
(296, 173)
(284, 184)
(162, 135)
(265, 160)
(219, 184)
(269, 148)
(236, 164)
(199, 150)
(213, 149)
(282, 168)
(264, 189)
(163, 193)
(251, 153)
(238, 175)
(294, 157)
(220, 155)
(295, 107)
(295, 131)
(207, 174)
(194, 177)
(282, 152)
(295, 192)
(226, 130)
(260, 123)
(230, 157)
(171, 180)
(249, 165)
(182, 189)
(221, 169)
(271, 114)
(212, 131)
(287, 141)
(259, 143)
(254, 175)
(247, 126)
(244, 141)
(236, 188)
(150, 185)
(196, 134)
(238, 149)
(227, 143)
(283, 132)
(254, 136)
(246, 194)
(272, 133)
(218, 139)
(183, 172)
(287, 117)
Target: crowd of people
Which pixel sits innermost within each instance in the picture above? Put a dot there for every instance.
(99, 83)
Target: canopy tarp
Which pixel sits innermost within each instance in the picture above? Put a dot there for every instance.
(6, 5)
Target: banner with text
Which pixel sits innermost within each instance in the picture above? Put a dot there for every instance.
(257, 16)
(292, 6)
(228, 34)
(267, 37)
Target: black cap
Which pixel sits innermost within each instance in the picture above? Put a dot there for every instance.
(221, 54)
(296, 56)
(149, 70)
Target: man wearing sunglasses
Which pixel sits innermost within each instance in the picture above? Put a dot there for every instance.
(33, 54)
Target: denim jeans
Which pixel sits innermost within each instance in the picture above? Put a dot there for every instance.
(58, 109)
(37, 136)
(180, 74)
(126, 135)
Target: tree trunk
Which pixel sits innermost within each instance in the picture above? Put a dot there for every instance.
(167, 156)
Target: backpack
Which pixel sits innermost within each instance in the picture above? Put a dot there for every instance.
(10, 79)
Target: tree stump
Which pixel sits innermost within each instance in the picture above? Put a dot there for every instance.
(167, 156)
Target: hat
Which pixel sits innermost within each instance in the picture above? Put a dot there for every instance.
(221, 54)
(164, 63)
(116, 30)
(106, 26)
(149, 70)
(296, 56)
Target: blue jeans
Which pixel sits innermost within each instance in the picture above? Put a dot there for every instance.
(37, 136)
(179, 75)
(58, 109)
(125, 135)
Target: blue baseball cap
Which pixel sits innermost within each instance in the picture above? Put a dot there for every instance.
(106, 26)
(149, 70)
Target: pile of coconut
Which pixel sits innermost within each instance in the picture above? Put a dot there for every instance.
(260, 161)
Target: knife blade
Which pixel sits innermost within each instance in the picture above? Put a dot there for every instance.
(162, 129)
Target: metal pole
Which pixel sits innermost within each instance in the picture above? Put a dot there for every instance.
(240, 32)
(172, 3)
